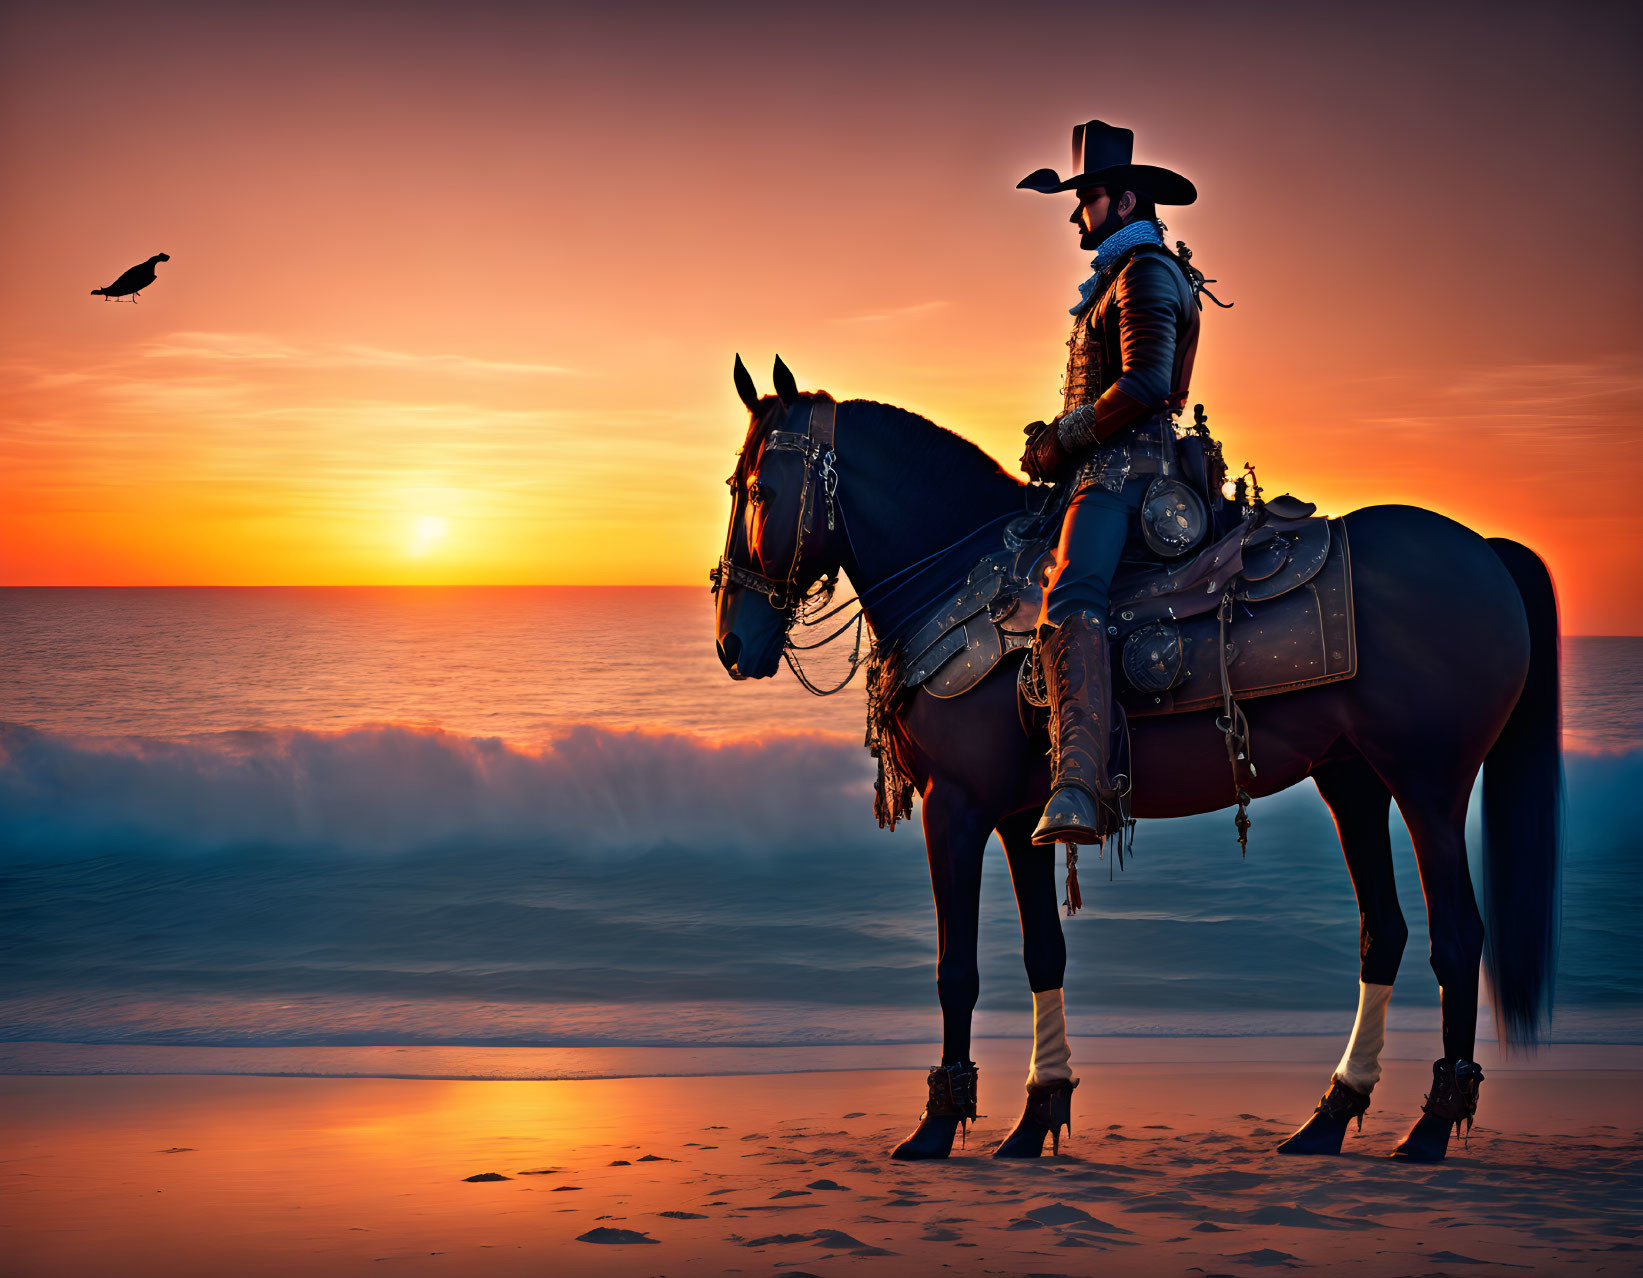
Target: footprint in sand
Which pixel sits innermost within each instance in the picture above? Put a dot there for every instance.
(1264, 1257)
(1455, 1258)
(1073, 1217)
(827, 1239)
(1058, 1214)
(1223, 1181)
(604, 1234)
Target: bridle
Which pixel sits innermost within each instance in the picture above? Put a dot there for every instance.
(821, 476)
(791, 595)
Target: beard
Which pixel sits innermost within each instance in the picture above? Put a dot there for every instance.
(1092, 241)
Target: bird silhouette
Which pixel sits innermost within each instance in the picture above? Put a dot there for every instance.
(133, 281)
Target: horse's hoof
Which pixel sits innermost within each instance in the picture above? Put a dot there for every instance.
(1320, 1134)
(932, 1138)
(1453, 1100)
(1049, 1109)
(1026, 1141)
(1427, 1142)
(1324, 1131)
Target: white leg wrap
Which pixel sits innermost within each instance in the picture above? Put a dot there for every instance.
(1052, 1058)
(1360, 1068)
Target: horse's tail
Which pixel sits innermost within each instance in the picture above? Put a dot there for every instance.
(1523, 820)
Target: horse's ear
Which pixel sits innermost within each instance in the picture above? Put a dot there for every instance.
(786, 387)
(744, 386)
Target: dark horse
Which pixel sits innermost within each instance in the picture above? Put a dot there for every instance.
(1458, 670)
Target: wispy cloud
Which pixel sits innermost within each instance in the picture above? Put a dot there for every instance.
(1551, 387)
(373, 356)
(274, 428)
(899, 312)
(256, 348)
(1559, 408)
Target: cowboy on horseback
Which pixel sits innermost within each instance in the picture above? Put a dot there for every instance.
(822, 489)
(1135, 332)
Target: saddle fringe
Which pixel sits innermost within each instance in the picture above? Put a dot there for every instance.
(893, 788)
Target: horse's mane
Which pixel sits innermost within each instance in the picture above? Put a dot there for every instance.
(771, 411)
(931, 455)
(934, 457)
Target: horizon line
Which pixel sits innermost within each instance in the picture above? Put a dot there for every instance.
(484, 585)
(348, 585)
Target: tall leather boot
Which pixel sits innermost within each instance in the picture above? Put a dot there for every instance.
(1083, 802)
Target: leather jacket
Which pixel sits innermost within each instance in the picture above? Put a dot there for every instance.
(1131, 352)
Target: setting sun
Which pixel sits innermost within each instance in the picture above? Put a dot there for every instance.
(430, 531)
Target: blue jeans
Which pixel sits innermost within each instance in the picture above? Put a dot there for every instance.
(1092, 540)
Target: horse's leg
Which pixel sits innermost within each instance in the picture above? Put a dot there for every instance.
(1360, 803)
(1436, 816)
(955, 836)
(1050, 1080)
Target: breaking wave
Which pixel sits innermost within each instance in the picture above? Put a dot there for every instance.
(392, 788)
(397, 884)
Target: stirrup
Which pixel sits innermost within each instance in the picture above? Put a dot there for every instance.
(1074, 816)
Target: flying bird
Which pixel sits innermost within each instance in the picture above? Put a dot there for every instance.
(133, 281)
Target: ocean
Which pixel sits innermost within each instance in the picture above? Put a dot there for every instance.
(341, 822)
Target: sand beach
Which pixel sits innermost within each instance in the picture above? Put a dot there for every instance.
(1170, 1170)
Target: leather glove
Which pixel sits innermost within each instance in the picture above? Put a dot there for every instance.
(1044, 455)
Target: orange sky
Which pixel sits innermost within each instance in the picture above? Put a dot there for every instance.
(490, 268)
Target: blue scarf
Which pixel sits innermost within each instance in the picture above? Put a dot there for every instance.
(1112, 248)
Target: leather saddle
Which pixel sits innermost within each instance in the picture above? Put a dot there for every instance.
(1291, 622)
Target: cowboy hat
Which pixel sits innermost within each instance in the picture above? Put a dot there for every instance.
(1101, 154)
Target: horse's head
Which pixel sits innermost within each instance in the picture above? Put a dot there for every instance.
(777, 547)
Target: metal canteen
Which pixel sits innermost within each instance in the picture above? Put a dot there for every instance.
(1152, 657)
(1173, 518)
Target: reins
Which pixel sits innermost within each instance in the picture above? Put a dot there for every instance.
(860, 616)
(786, 595)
